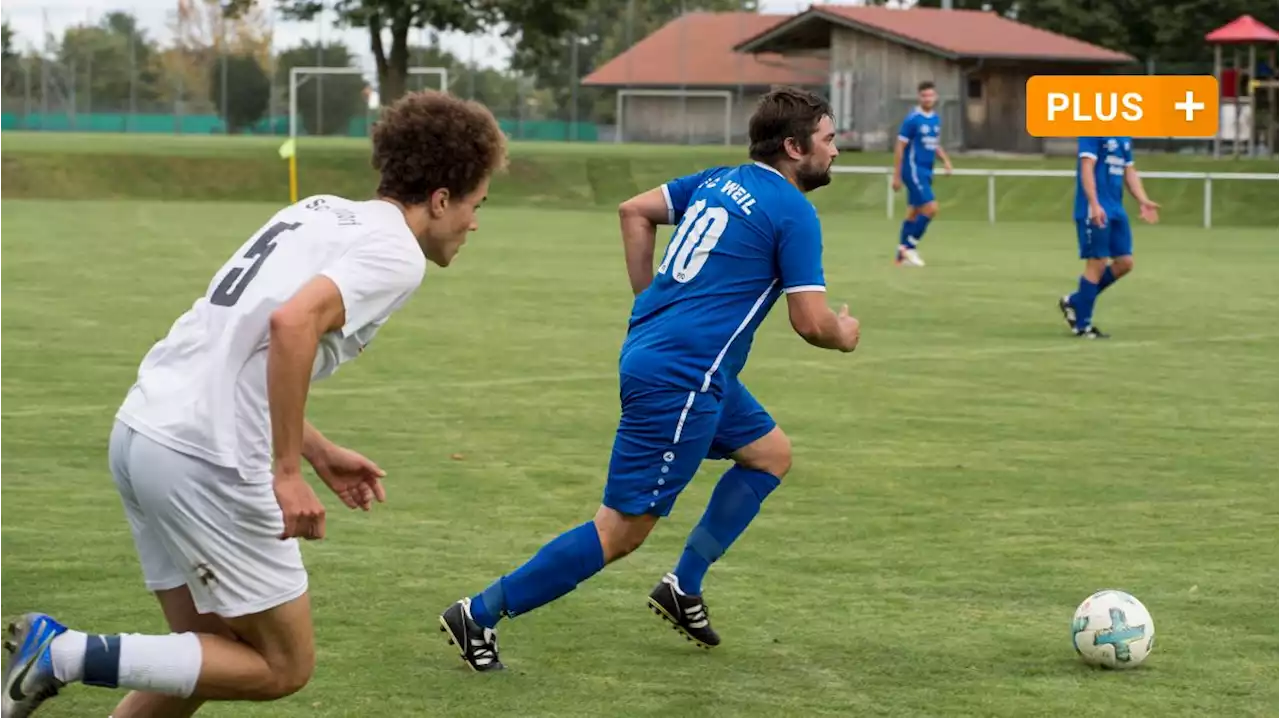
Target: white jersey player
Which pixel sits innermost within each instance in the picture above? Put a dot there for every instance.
(207, 447)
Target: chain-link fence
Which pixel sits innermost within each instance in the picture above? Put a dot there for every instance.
(636, 76)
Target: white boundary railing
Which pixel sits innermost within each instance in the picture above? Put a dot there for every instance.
(1207, 177)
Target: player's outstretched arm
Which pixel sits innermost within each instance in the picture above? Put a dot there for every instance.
(355, 479)
(1089, 183)
(295, 331)
(819, 325)
(946, 158)
(1148, 210)
(314, 444)
(1089, 149)
(640, 217)
(899, 148)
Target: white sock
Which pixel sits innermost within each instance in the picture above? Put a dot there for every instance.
(161, 664)
(158, 664)
(67, 652)
(675, 583)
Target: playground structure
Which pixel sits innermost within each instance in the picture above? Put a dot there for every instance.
(1244, 122)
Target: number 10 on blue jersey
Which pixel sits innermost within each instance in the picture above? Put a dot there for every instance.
(693, 241)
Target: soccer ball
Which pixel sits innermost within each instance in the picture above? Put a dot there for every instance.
(1112, 629)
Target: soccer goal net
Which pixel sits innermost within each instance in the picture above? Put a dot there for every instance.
(341, 101)
(690, 117)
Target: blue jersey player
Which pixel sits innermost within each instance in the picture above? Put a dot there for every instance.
(919, 141)
(1104, 167)
(744, 237)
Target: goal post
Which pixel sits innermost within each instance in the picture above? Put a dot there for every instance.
(663, 117)
(298, 76)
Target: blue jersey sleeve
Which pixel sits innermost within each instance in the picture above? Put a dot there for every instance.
(1128, 152)
(799, 251)
(678, 192)
(908, 128)
(1089, 147)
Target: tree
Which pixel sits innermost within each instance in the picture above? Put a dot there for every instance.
(115, 63)
(534, 21)
(248, 91)
(1178, 29)
(326, 103)
(496, 89)
(11, 64)
(6, 35)
(202, 34)
(201, 25)
(1146, 29)
(1102, 22)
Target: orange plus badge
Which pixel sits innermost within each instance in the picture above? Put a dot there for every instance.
(1122, 105)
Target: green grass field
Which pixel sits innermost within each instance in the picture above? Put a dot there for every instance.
(960, 483)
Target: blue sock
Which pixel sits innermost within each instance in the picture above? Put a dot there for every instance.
(1108, 278)
(922, 223)
(557, 568)
(906, 238)
(735, 501)
(912, 231)
(1083, 301)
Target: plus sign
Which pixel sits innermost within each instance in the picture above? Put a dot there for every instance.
(1189, 106)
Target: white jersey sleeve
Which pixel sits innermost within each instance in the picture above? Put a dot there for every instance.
(374, 277)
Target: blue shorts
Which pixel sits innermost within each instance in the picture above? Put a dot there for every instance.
(919, 186)
(663, 436)
(1113, 240)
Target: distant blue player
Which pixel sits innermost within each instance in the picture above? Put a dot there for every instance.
(1104, 168)
(746, 235)
(919, 140)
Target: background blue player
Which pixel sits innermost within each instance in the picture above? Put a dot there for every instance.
(1104, 167)
(919, 140)
(746, 235)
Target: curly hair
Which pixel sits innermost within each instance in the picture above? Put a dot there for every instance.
(429, 140)
(781, 113)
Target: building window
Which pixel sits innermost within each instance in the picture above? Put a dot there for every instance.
(975, 88)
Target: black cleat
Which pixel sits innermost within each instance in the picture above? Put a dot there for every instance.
(1091, 332)
(686, 614)
(1068, 311)
(477, 644)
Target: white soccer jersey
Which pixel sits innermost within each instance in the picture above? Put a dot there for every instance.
(202, 390)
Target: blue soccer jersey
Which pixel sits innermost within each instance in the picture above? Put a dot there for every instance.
(1113, 154)
(922, 131)
(744, 236)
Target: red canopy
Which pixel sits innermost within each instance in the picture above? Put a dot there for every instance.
(1242, 30)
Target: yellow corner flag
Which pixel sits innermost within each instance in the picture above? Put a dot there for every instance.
(289, 151)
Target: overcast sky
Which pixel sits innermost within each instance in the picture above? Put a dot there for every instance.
(30, 19)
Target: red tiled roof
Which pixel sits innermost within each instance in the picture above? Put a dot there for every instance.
(1244, 29)
(696, 50)
(954, 33)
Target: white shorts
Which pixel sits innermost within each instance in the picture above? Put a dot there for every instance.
(202, 525)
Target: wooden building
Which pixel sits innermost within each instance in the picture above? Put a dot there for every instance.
(980, 62)
(684, 83)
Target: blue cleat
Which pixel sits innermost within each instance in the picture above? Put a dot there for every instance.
(29, 679)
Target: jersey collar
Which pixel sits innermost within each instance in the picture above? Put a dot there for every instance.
(774, 170)
(922, 111)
